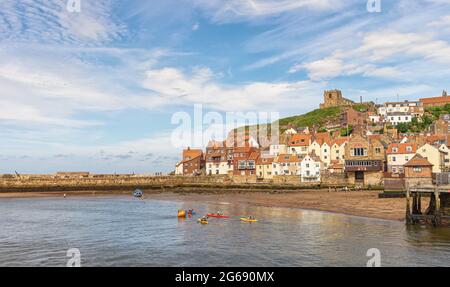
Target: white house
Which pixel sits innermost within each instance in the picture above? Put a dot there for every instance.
(286, 164)
(397, 118)
(398, 107)
(338, 150)
(398, 154)
(291, 131)
(299, 144)
(374, 118)
(179, 168)
(310, 168)
(433, 155)
(277, 149)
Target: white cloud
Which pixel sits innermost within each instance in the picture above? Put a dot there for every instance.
(232, 10)
(201, 86)
(375, 51)
(50, 22)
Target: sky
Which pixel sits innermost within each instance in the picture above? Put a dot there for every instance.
(100, 85)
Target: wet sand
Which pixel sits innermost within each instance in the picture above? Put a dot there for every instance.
(357, 203)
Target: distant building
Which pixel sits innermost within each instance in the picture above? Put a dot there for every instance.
(415, 108)
(436, 101)
(442, 125)
(353, 118)
(398, 118)
(334, 98)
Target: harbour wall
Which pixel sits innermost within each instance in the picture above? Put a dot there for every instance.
(14, 183)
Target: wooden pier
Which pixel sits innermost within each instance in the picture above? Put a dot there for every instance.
(438, 210)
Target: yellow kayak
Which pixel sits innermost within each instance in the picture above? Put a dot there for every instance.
(249, 220)
(203, 221)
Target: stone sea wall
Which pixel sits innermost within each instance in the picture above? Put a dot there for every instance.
(124, 182)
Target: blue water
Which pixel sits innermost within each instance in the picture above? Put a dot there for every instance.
(123, 231)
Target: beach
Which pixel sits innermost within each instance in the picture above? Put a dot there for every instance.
(356, 203)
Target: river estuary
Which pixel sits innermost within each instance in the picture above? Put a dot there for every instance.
(124, 231)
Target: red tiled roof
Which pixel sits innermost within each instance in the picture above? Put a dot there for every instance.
(341, 141)
(418, 160)
(300, 140)
(265, 160)
(254, 155)
(435, 100)
(402, 148)
(191, 153)
(288, 158)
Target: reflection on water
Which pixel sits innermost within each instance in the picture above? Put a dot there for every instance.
(129, 232)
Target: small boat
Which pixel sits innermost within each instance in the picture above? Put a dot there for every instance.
(138, 193)
(247, 219)
(217, 215)
(203, 221)
(182, 213)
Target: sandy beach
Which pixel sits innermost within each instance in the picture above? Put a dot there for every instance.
(358, 203)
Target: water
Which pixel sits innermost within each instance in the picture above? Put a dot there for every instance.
(124, 231)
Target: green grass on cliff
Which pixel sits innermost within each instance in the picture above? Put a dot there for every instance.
(316, 117)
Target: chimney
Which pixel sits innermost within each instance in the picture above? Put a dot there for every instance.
(360, 99)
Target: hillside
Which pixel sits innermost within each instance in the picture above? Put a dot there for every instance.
(318, 118)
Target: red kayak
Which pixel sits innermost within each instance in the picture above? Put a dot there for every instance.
(217, 215)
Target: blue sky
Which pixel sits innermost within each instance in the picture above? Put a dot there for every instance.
(96, 90)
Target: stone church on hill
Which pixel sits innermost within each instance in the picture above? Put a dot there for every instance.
(334, 98)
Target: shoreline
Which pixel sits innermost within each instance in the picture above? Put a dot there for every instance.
(354, 203)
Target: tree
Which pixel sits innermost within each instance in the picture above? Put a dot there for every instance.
(402, 127)
(346, 131)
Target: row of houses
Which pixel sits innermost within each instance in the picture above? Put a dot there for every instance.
(221, 158)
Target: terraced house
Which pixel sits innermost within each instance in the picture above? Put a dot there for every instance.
(398, 154)
(264, 168)
(287, 164)
(244, 160)
(219, 158)
(299, 144)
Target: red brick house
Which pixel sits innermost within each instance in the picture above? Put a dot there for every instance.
(244, 160)
(192, 163)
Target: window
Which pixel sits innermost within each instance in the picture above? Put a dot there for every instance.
(358, 151)
(417, 169)
(409, 148)
(394, 159)
(377, 150)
